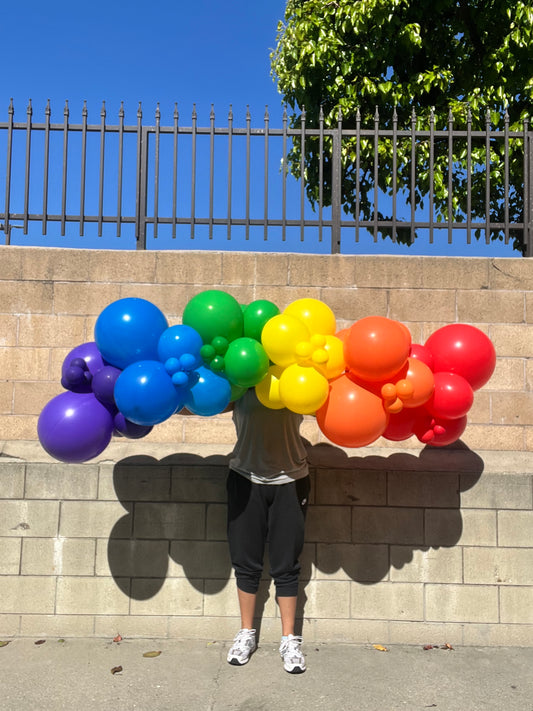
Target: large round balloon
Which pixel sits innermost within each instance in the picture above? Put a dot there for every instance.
(210, 395)
(75, 427)
(145, 394)
(376, 348)
(214, 313)
(246, 362)
(452, 397)
(178, 341)
(420, 376)
(281, 337)
(255, 315)
(128, 330)
(465, 350)
(315, 314)
(352, 416)
(79, 366)
(303, 389)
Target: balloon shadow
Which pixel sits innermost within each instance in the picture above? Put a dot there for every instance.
(367, 514)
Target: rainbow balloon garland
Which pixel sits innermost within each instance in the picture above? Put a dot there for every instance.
(363, 382)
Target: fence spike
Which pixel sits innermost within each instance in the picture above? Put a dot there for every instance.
(157, 112)
(376, 115)
(176, 113)
(487, 117)
(358, 115)
(194, 114)
(66, 110)
(432, 116)
(84, 111)
(29, 110)
(394, 115)
(103, 110)
(267, 116)
(140, 110)
(47, 110)
(11, 109)
(212, 113)
(339, 115)
(248, 114)
(468, 113)
(321, 114)
(284, 116)
(230, 113)
(121, 110)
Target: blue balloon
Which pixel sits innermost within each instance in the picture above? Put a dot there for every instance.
(145, 394)
(178, 342)
(210, 395)
(128, 330)
(75, 427)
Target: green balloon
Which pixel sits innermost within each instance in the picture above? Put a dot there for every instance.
(246, 362)
(214, 313)
(236, 392)
(256, 314)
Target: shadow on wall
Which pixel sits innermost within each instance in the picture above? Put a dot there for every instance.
(366, 515)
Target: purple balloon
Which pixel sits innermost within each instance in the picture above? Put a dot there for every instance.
(103, 384)
(129, 429)
(80, 365)
(75, 427)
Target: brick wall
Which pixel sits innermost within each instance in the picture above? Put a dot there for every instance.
(404, 543)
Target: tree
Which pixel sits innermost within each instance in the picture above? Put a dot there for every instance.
(427, 62)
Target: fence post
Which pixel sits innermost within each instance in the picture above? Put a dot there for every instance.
(336, 187)
(528, 198)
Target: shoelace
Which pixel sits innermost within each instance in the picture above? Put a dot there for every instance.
(292, 647)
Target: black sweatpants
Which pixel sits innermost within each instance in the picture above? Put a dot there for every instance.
(258, 513)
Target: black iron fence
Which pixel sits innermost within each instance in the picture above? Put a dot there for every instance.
(179, 182)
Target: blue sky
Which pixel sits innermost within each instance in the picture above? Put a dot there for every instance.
(204, 52)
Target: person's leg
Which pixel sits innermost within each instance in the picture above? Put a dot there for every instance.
(287, 610)
(247, 608)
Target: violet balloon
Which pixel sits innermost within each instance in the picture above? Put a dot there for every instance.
(79, 366)
(75, 427)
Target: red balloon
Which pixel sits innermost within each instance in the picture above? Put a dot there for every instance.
(376, 348)
(464, 350)
(407, 423)
(422, 353)
(351, 416)
(440, 431)
(452, 397)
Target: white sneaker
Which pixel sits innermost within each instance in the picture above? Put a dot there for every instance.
(291, 653)
(244, 645)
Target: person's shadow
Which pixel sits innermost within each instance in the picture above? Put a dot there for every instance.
(367, 514)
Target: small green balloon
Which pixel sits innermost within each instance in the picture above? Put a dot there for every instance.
(220, 344)
(207, 353)
(214, 313)
(246, 362)
(256, 314)
(217, 364)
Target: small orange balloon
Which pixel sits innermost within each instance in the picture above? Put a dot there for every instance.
(376, 348)
(351, 416)
(423, 381)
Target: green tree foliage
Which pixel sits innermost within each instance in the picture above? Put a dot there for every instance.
(427, 63)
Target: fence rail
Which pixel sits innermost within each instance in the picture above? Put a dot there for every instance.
(187, 180)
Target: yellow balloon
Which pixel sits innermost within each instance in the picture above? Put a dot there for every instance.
(267, 390)
(302, 389)
(316, 315)
(281, 336)
(335, 364)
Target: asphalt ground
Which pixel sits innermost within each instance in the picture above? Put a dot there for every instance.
(103, 674)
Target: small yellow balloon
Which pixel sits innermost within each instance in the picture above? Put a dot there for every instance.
(303, 389)
(267, 390)
(334, 365)
(316, 315)
(280, 338)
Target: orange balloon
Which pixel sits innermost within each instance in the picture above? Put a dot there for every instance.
(351, 416)
(423, 381)
(376, 348)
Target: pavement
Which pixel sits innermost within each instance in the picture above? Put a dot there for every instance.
(102, 674)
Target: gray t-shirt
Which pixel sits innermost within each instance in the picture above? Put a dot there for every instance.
(269, 447)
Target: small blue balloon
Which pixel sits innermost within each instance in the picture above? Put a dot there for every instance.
(210, 395)
(128, 330)
(145, 394)
(178, 341)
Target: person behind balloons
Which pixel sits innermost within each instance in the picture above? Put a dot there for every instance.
(268, 491)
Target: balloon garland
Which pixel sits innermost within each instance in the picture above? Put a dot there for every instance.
(363, 382)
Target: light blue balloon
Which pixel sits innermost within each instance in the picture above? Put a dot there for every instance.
(145, 394)
(128, 330)
(210, 395)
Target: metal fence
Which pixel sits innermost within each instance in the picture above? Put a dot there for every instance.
(178, 182)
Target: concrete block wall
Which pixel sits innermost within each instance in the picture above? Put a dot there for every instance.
(404, 543)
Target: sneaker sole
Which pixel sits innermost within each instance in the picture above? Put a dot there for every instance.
(295, 670)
